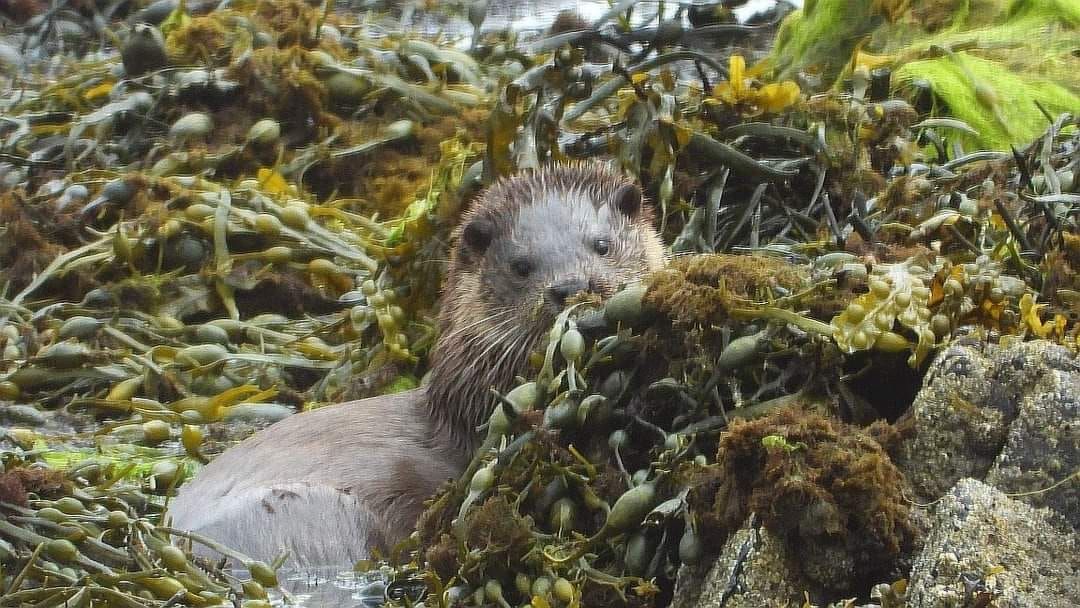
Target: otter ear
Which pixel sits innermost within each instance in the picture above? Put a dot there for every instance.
(477, 234)
(627, 200)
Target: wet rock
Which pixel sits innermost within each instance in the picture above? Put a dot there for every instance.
(22, 414)
(1007, 415)
(754, 569)
(985, 548)
(1043, 444)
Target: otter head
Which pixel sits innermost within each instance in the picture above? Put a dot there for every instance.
(529, 243)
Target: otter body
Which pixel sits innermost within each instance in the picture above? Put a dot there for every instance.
(327, 485)
(332, 484)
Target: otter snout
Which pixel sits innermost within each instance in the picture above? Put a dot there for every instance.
(559, 292)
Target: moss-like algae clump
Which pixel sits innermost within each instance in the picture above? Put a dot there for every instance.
(16, 484)
(702, 289)
(199, 40)
(827, 488)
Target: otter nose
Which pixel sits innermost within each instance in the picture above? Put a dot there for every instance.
(559, 291)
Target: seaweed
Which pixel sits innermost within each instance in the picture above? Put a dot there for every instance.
(829, 490)
(242, 212)
(703, 289)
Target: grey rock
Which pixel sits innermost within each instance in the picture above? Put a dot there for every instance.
(955, 435)
(983, 542)
(754, 570)
(1008, 415)
(22, 414)
(1043, 444)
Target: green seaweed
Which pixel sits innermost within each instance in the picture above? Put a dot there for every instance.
(821, 35)
(1067, 10)
(999, 104)
(987, 63)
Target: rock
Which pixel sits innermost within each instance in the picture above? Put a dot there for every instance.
(985, 546)
(1008, 415)
(1043, 444)
(754, 569)
(23, 414)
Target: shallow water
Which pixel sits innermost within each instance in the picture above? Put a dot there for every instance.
(535, 16)
(531, 18)
(315, 588)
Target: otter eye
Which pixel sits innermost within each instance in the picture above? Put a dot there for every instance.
(521, 267)
(477, 234)
(601, 246)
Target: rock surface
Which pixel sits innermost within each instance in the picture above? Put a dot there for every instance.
(984, 545)
(981, 546)
(995, 447)
(754, 570)
(1007, 415)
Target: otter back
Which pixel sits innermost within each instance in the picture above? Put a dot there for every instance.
(327, 485)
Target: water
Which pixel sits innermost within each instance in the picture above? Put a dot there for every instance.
(532, 18)
(314, 588)
(536, 16)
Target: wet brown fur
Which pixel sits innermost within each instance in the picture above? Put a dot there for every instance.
(458, 395)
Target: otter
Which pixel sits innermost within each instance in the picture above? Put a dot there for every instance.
(332, 484)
